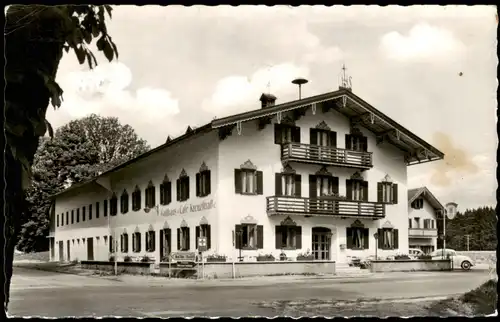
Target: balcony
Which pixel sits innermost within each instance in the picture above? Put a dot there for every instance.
(422, 232)
(307, 153)
(280, 205)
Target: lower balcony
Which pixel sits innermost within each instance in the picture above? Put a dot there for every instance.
(422, 232)
(281, 205)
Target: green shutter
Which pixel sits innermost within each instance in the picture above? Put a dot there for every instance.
(198, 176)
(237, 181)
(380, 233)
(394, 193)
(209, 237)
(366, 238)
(278, 235)
(380, 192)
(348, 235)
(298, 237)
(260, 236)
(260, 183)
(298, 185)
(396, 239)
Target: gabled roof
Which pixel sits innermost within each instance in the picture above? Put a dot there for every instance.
(425, 193)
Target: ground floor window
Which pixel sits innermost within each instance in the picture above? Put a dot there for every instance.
(357, 238)
(111, 244)
(136, 242)
(288, 237)
(183, 239)
(150, 241)
(203, 231)
(249, 236)
(388, 238)
(124, 243)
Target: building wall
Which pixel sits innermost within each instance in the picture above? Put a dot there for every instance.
(259, 147)
(188, 155)
(427, 212)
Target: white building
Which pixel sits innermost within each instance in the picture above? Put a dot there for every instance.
(322, 173)
(424, 210)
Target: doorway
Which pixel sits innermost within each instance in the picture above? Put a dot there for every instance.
(165, 244)
(90, 249)
(61, 251)
(321, 240)
(68, 245)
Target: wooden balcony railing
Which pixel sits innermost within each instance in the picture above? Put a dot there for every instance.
(308, 153)
(281, 205)
(422, 232)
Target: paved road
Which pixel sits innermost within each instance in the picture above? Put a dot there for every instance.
(40, 293)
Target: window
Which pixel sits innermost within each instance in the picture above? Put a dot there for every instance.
(387, 192)
(357, 190)
(203, 183)
(97, 210)
(136, 199)
(326, 185)
(323, 137)
(432, 224)
(166, 191)
(150, 241)
(417, 222)
(356, 143)
(286, 133)
(183, 188)
(249, 236)
(288, 184)
(183, 238)
(83, 213)
(90, 212)
(248, 181)
(111, 244)
(288, 237)
(113, 205)
(124, 202)
(124, 242)
(136, 242)
(357, 237)
(409, 222)
(105, 208)
(418, 203)
(73, 217)
(57, 221)
(203, 231)
(427, 223)
(388, 238)
(150, 195)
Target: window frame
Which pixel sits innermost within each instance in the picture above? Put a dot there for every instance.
(136, 242)
(124, 242)
(150, 241)
(124, 202)
(150, 195)
(203, 183)
(185, 235)
(183, 188)
(136, 199)
(248, 236)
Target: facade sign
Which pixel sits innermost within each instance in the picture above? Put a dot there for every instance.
(184, 209)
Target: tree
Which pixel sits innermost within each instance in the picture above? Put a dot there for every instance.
(35, 37)
(78, 151)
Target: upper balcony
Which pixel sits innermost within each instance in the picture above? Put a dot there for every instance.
(422, 232)
(325, 155)
(284, 205)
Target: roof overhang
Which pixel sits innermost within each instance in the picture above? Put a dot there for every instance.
(359, 112)
(429, 197)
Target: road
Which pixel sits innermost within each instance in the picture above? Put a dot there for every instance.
(48, 294)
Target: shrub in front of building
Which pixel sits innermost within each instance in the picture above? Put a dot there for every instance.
(266, 258)
(214, 258)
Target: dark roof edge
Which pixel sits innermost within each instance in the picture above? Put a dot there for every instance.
(430, 194)
(204, 128)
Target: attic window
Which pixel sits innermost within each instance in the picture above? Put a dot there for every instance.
(418, 203)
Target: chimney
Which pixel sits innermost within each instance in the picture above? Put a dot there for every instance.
(267, 100)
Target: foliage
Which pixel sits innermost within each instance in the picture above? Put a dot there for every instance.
(127, 258)
(145, 259)
(112, 258)
(79, 150)
(480, 224)
(402, 257)
(484, 298)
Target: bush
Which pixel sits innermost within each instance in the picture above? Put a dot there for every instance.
(127, 259)
(145, 259)
(402, 257)
(265, 258)
(111, 258)
(425, 257)
(483, 298)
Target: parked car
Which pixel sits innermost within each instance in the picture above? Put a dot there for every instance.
(414, 253)
(462, 261)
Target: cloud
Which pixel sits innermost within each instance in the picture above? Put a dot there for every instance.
(235, 94)
(423, 43)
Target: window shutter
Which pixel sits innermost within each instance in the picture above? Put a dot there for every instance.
(187, 187)
(333, 139)
(197, 232)
(348, 144)
(366, 238)
(364, 184)
(237, 240)
(296, 134)
(169, 193)
(380, 233)
(277, 185)
(178, 189)
(162, 194)
(335, 184)
(237, 181)
(396, 239)
(349, 189)
(121, 243)
(208, 184)
(278, 234)
(260, 183)
(198, 175)
(134, 248)
(178, 239)
(209, 237)
(348, 235)
(364, 143)
(394, 193)
(313, 137)
(139, 242)
(188, 239)
(312, 186)
(277, 133)
(110, 244)
(298, 237)
(162, 244)
(298, 185)
(380, 192)
(260, 236)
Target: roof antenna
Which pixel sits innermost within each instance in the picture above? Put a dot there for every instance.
(345, 81)
(300, 81)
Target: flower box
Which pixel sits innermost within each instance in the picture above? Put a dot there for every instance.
(305, 258)
(216, 259)
(265, 258)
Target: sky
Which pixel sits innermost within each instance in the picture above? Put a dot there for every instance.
(430, 68)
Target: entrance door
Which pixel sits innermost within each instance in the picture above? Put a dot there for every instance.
(61, 251)
(90, 249)
(321, 243)
(68, 245)
(165, 243)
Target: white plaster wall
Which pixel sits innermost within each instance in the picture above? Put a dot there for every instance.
(427, 212)
(189, 156)
(259, 147)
